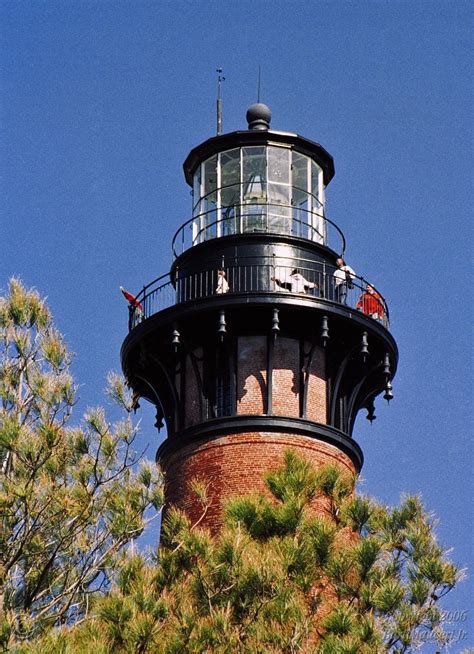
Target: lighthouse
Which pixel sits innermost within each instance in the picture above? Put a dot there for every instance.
(260, 338)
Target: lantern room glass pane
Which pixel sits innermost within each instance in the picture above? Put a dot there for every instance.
(279, 165)
(278, 194)
(210, 176)
(230, 190)
(254, 173)
(230, 177)
(300, 199)
(299, 177)
(209, 201)
(316, 172)
(279, 209)
(197, 188)
(196, 225)
(254, 189)
(318, 231)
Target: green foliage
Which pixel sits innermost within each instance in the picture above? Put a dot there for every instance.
(353, 578)
(69, 499)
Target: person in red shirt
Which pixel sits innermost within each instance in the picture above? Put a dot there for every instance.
(371, 303)
(135, 309)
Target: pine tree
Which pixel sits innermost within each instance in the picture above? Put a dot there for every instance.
(358, 578)
(71, 497)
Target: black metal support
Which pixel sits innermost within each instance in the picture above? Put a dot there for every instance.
(175, 337)
(171, 387)
(275, 322)
(160, 414)
(222, 331)
(181, 370)
(350, 418)
(324, 330)
(199, 380)
(337, 383)
(364, 349)
(270, 364)
(388, 395)
(371, 412)
(306, 363)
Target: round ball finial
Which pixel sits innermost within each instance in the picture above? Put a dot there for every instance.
(259, 116)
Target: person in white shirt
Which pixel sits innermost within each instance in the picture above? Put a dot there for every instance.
(294, 282)
(222, 283)
(342, 280)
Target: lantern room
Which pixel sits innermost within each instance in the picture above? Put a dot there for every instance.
(264, 182)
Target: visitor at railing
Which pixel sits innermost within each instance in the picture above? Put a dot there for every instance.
(222, 283)
(135, 308)
(371, 304)
(294, 282)
(343, 280)
(314, 279)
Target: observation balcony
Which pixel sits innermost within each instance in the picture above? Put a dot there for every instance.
(291, 277)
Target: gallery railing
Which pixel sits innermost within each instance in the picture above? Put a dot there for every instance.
(275, 275)
(259, 217)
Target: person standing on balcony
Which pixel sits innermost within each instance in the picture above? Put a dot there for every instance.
(135, 308)
(222, 283)
(294, 282)
(371, 303)
(342, 280)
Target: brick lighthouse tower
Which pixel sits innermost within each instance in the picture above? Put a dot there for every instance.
(259, 339)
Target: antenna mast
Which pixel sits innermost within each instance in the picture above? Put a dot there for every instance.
(258, 86)
(220, 79)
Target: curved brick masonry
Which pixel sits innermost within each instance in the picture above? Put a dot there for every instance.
(286, 376)
(235, 464)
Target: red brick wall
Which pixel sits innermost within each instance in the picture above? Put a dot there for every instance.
(316, 402)
(251, 374)
(234, 465)
(286, 377)
(252, 378)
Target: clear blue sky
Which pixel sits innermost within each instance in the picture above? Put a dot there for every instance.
(101, 102)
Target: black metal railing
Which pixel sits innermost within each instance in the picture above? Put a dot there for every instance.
(258, 217)
(269, 275)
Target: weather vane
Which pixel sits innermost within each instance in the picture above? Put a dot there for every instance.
(220, 79)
